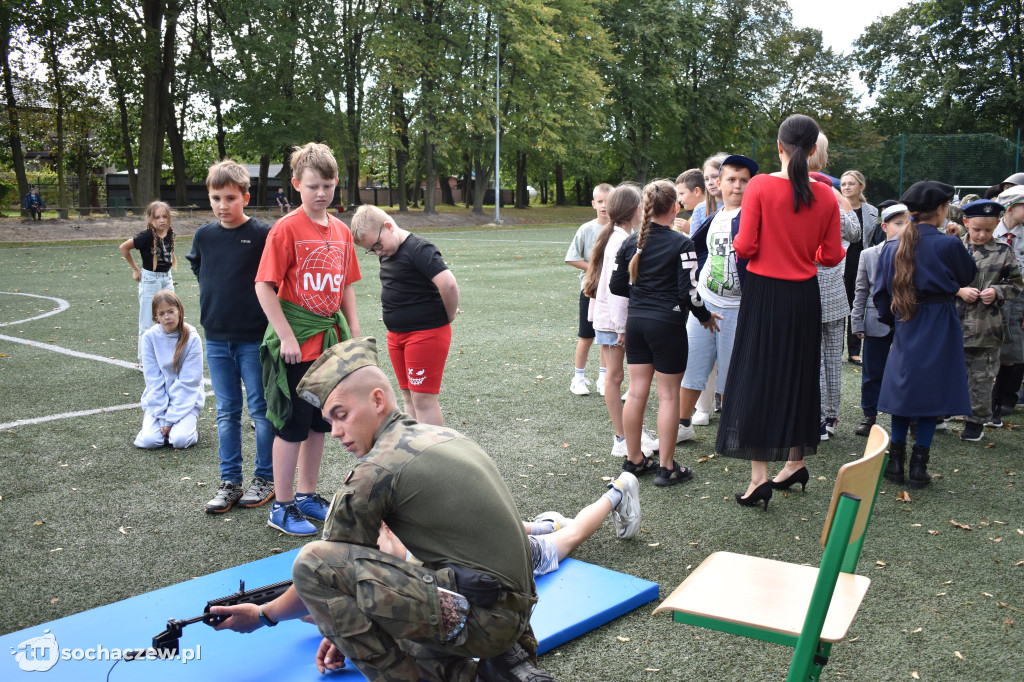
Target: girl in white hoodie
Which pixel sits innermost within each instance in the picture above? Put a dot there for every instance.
(172, 361)
(608, 311)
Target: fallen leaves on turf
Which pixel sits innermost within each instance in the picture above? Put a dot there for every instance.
(903, 496)
(959, 655)
(913, 673)
(960, 525)
(623, 639)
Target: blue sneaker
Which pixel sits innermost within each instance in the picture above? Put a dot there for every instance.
(312, 506)
(288, 519)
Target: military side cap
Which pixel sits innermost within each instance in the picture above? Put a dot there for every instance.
(982, 208)
(927, 195)
(1011, 196)
(336, 363)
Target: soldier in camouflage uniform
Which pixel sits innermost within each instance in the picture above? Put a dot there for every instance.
(980, 306)
(443, 497)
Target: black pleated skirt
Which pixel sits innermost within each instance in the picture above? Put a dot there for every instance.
(772, 401)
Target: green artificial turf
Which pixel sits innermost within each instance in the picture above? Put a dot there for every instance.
(89, 519)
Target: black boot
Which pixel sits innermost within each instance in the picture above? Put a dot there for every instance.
(894, 469)
(919, 477)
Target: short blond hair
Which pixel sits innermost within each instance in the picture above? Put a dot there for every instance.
(603, 188)
(368, 219)
(817, 161)
(228, 172)
(315, 156)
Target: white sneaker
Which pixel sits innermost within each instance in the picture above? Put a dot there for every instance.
(553, 516)
(626, 516)
(619, 447)
(600, 384)
(685, 433)
(579, 386)
(648, 443)
(700, 418)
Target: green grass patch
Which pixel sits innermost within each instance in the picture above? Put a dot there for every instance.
(89, 519)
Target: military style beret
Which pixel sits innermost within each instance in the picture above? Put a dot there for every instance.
(1011, 196)
(982, 208)
(336, 363)
(1015, 179)
(890, 211)
(927, 195)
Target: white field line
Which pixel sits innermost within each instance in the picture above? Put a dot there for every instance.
(69, 415)
(62, 306)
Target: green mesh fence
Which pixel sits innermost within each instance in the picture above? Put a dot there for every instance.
(895, 163)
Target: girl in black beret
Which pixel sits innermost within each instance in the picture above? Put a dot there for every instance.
(915, 286)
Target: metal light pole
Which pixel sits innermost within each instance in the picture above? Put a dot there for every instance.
(497, 122)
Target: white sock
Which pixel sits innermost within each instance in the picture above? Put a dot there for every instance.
(579, 372)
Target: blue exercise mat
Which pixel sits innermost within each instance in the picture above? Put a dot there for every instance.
(575, 599)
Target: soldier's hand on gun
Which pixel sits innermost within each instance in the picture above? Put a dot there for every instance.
(712, 324)
(328, 657)
(240, 617)
(969, 294)
(988, 296)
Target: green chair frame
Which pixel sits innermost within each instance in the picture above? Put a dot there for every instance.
(803, 607)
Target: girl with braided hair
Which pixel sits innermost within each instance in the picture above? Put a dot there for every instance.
(156, 247)
(656, 269)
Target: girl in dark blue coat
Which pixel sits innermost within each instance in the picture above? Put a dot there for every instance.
(915, 286)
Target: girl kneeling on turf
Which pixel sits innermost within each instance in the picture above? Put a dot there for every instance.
(172, 361)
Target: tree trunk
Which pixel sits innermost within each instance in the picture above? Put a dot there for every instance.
(83, 176)
(286, 177)
(263, 186)
(430, 170)
(126, 137)
(522, 198)
(560, 199)
(401, 120)
(13, 124)
(222, 147)
(579, 193)
(483, 178)
(446, 189)
(156, 64)
(177, 146)
(58, 92)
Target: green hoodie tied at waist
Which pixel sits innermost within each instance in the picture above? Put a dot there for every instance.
(304, 325)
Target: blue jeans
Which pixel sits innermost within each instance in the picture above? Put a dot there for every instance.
(231, 363)
(150, 283)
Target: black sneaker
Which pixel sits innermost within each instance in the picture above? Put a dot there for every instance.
(865, 426)
(995, 421)
(677, 474)
(972, 432)
(512, 666)
(227, 494)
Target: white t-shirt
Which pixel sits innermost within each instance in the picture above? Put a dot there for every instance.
(719, 281)
(582, 244)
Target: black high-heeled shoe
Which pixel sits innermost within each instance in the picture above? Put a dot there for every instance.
(800, 476)
(761, 492)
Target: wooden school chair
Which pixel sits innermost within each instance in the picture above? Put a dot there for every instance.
(803, 607)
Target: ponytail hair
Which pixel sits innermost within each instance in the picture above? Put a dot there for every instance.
(798, 135)
(904, 295)
(622, 204)
(170, 298)
(659, 199)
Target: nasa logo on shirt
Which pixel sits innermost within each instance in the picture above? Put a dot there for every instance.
(319, 277)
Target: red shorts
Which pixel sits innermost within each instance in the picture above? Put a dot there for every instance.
(419, 358)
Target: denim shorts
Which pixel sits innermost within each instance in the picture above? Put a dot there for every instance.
(603, 338)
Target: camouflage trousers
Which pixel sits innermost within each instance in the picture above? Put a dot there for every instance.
(982, 366)
(384, 615)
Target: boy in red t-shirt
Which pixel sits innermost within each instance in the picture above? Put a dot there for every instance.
(304, 284)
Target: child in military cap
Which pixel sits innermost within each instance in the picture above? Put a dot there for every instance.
(1011, 355)
(980, 307)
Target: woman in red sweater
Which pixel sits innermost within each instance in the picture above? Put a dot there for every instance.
(788, 223)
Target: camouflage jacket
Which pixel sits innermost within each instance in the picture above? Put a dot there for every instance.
(997, 269)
